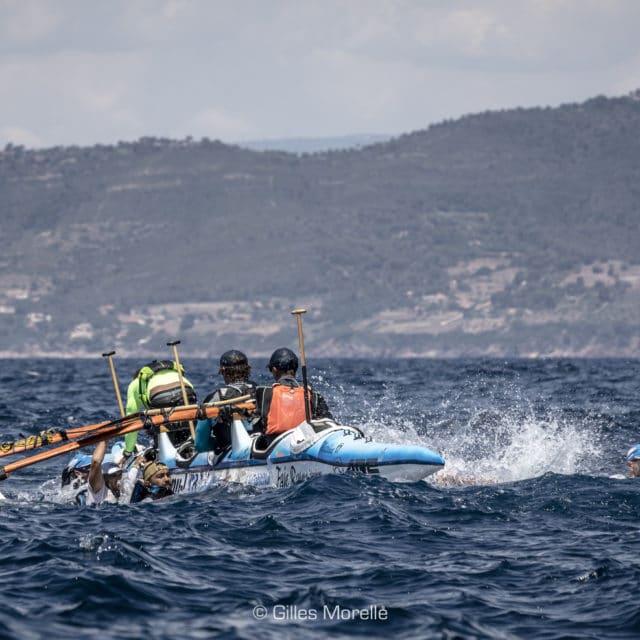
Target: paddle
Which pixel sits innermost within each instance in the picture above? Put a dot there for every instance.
(175, 344)
(303, 364)
(54, 436)
(71, 446)
(109, 355)
(50, 436)
(154, 417)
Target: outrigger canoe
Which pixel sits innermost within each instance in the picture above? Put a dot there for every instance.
(321, 447)
(311, 449)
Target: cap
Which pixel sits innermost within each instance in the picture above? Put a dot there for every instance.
(633, 453)
(80, 462)
(151, 468)
(111, 469)
(233, 358)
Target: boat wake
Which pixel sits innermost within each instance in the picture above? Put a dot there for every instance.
(493, 447)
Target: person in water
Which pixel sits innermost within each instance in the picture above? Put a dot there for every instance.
(281, 405)
(214, 434)
(156, 385)
(104, 480)
(77, 471)
(633, 461)
(154, 484)
(74, 478)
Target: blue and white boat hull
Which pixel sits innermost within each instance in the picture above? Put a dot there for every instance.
(299, 454)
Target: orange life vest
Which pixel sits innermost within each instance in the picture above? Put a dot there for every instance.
(286, 411)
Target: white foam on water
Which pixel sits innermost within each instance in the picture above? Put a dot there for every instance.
(493, 447)
(515, 450)
(95, 542)
(46, 492)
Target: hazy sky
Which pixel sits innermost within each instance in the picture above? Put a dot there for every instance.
(88, 71)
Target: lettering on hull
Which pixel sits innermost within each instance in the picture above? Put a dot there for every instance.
(286, 475)
(191, 482)
(281, 475)
(363, 468)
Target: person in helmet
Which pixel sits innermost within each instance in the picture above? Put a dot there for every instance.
(74, 479)
(108, 481)
(214, 434)
(156, 385)
(633, 461)
(281, 405)
(77, 469)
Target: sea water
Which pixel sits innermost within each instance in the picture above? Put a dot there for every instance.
(530, 531)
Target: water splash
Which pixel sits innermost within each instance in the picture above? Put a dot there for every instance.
(517, 448)
(488, 446)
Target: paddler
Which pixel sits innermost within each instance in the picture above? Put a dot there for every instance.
(157, 385)
(214, 434)
(281, 405)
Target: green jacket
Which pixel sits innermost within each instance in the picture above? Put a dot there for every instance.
(137, 401)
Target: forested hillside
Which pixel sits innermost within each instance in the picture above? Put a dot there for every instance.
(503, 233)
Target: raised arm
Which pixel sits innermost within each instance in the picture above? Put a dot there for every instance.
(96, 479)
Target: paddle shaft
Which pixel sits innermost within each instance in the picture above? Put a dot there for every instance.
(175, 344)
(109, 355)
(135, 422)
(303, 364)
(43, 438)
(107, 434)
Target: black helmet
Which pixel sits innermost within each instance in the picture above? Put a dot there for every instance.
(283, 359)
(232, 358)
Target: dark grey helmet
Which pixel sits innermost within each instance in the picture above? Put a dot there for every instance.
(232, 358)
(283, 359)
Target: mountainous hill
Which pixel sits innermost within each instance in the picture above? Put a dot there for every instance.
(508, 233)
